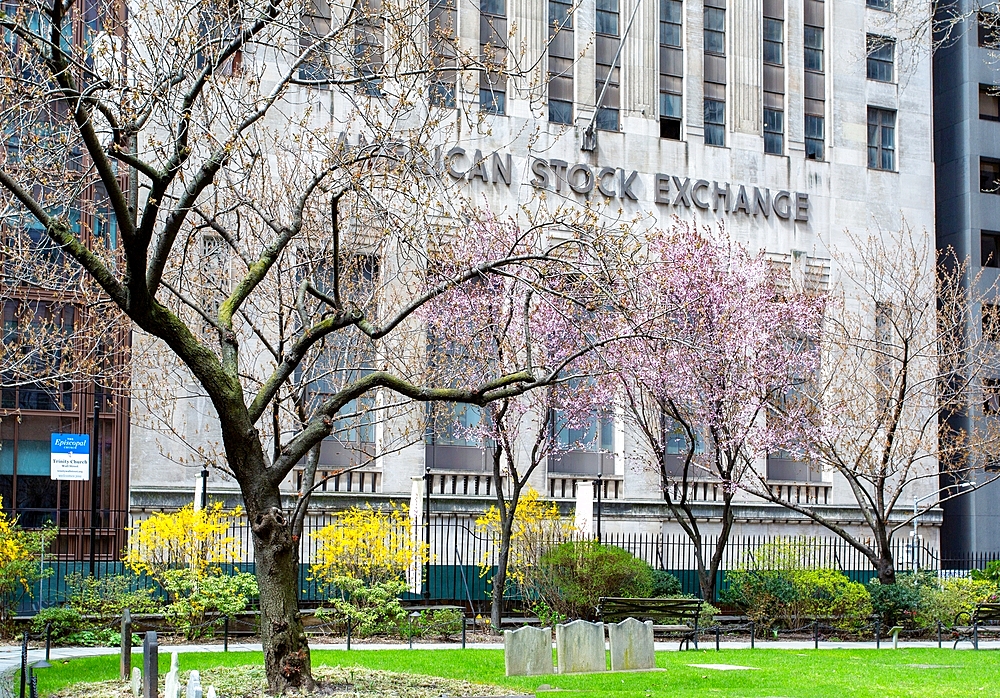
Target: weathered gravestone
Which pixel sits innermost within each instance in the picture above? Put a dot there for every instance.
(211, 692)
(172, 684)
(150, 671)
(580, 647)
(175, 664)
(527, 651)
(126, 646)
(194, 686)
(631, 645)
(136, 682)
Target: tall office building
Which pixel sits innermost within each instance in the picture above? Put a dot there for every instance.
(967, 179)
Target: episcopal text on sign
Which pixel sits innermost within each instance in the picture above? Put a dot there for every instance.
(70, 457)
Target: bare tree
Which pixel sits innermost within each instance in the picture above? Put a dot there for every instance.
(898, 399)
(213, 132)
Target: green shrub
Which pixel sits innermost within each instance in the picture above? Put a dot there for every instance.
(196, 597)
(65, 621)
(899, 603)
(791, 597)
(951, 597)
(578, 573)
(828, 593)
(767, 596)
(108, 596)
(440, 623)
(990, 574)
(665, 585)
(370, 610)
(97, 637)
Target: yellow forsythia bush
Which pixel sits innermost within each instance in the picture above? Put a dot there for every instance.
(197, 540)
(19, 563)
(183, 552)
(538, 525)
(369, 545)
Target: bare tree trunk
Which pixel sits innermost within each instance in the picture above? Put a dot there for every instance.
(286, 650)
(885, 565)
(283, 639)
(500, 577)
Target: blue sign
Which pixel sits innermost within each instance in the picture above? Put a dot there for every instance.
(69, 457)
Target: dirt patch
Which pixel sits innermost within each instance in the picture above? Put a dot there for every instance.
(348, 682)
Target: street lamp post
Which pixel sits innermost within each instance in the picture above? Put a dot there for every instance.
(428, 481)
(600, 474)
(94, 451)
(204, 488)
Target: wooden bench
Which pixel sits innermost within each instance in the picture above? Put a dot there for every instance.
(675, 616)
(985, 618)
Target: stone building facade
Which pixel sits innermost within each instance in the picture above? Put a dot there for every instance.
(765, 115)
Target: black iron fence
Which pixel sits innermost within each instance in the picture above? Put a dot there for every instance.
(462, 556)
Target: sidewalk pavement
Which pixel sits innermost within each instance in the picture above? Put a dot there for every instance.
(10, 656)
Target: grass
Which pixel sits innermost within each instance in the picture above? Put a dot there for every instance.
(844, 673)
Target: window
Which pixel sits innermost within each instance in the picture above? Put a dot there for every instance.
(989, 102)
(991, 396)
(442, 31)
(881, 139)
(880, 4)
(880, 58)
(493, 50)
(560, 112)
(814, 137)
(561, 56)
(715, 72)
(715, 31)
(368, 37)
(814, 49)
(608, 75)
(773, 131)
(607, 17)
(774, 77)
(715, 122)
(316, 23)
(560, 14)
(670, 22)
(991, 322)
(773, 47)
(671, 68)
(989, 176)
(989, 248)
(989, 23)
(814, 62)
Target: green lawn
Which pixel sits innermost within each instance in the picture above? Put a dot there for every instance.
(920, 673)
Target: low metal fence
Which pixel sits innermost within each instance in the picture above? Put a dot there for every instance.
(463, 557)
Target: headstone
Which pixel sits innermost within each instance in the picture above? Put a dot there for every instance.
(211, 692)
(150, 670)
(174, 663)
(136, 682)
(172, 684)
(126, 648)
(631, 645)
(580, 647)
(527, 651)
(194, 685)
